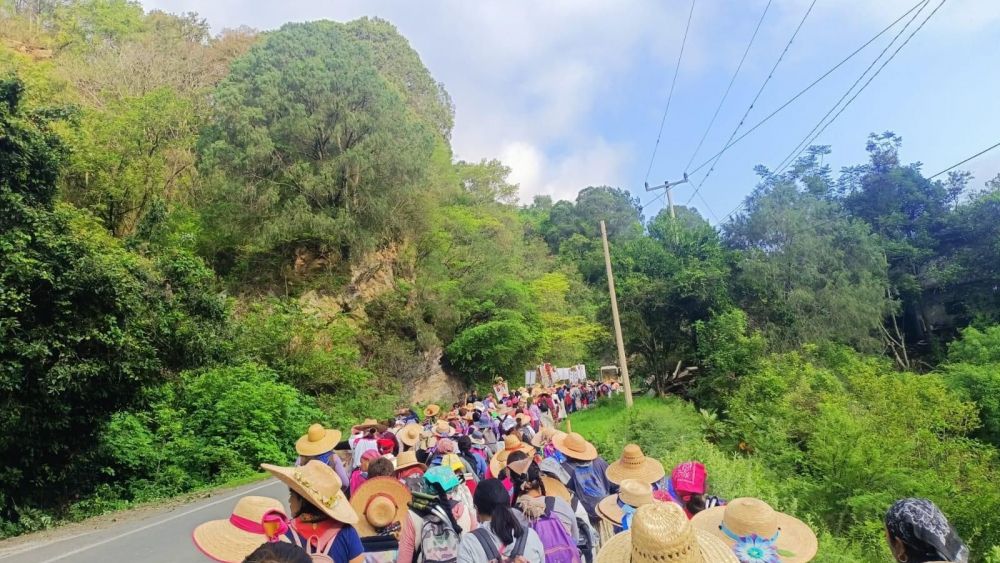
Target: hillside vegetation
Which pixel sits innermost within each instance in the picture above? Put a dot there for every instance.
(210, 240)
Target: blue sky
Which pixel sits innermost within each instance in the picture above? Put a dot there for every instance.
(570, 93)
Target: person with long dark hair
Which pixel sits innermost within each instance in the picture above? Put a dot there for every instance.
(501, 532)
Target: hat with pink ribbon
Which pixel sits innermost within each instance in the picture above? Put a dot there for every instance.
(254, 520)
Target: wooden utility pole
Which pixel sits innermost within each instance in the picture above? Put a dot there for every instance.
(670, 196)
(622, 362)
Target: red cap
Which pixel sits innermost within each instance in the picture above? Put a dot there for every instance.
(689, 477)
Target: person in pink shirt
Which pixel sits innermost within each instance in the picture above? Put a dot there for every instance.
(360, 473)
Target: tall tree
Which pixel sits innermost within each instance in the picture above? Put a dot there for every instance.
(808, 272)
(312, 150)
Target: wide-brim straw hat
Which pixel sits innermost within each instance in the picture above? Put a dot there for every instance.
(368, 424)
(661, 533)
(545, 435)
(796, 542)
(442, 429)
(574, 446)
(632, 492)
(379, 502)
(523, 418)
(409, 435)
(555, 488)
(432, 410)
(511, 444)
(222, 540)
(318, 483)
(317, 440)
(408, 459)
(633, 464)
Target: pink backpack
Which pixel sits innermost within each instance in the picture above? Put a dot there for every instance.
(321, 552)
(559, 546)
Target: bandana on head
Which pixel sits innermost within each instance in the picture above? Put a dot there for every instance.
(922, 526)
(689, 478)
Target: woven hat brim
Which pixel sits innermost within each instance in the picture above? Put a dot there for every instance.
(497, 465)
(221, 541)
(796, 536)
(589, 452)
(651, 471)
(409, 465)
(400, 495)
(608, 509)
(619, 549)
(330, 440)
(410, 439)
(341, 510)
(555, 488)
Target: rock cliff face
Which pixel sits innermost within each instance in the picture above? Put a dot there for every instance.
(433, 384)
(374, 276)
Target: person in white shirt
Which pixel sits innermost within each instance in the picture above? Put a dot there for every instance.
(501, 530)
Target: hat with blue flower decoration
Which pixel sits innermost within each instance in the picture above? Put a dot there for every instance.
(757, 533)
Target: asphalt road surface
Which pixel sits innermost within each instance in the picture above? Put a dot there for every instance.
(150, 535)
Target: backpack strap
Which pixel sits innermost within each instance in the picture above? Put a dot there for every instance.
(490, 548)
(550, 504)
(519, 544)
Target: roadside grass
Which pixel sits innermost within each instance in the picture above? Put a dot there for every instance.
(672, 431)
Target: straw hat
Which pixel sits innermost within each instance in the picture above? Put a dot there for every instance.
(746, 517)
(408, 459)
(222, 540)
(378, 502)
(317, 440)
(409, 435)
(575, 446)
(442, 428)
(432, 410)
(511, 444)
(523, 419)
(661, 533)
(555, 488)
(633, 464)
(545, 435)
(632, 492)
(318, 483)
(368, 424)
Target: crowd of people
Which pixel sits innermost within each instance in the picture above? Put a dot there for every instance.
(493, 479)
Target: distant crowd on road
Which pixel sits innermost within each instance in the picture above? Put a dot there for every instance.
(492, 479)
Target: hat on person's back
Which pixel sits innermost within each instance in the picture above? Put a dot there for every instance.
(661, 533)
(631, 495)
(319, 485)
(317, 441)
(633, 464)
(254, 520)
(410, 434)
(379, 502)
(432, 410)
(747, 524)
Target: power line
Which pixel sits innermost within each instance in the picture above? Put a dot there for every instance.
(730, 87)
(760, 91)
(977, 155)
(809, 87)
(670, 95)
(807, 140)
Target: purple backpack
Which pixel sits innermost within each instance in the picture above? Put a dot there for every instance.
(559, 547)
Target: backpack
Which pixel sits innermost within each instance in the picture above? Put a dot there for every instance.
(559, 546)
(317, 554)
(490, 548)
(437, 541)
(587, 484)
(587, 540)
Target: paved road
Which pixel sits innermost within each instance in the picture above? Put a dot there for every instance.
(156, 535)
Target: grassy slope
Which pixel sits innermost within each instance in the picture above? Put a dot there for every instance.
(671, 430)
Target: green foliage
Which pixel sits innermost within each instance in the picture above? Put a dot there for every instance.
(727, 350)
(667, 282)
(333, 159)
(85, 324)
(973, 369)
(207, 426)
(618, 208)
(807, 272)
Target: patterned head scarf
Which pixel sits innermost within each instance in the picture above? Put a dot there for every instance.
(924, 529)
